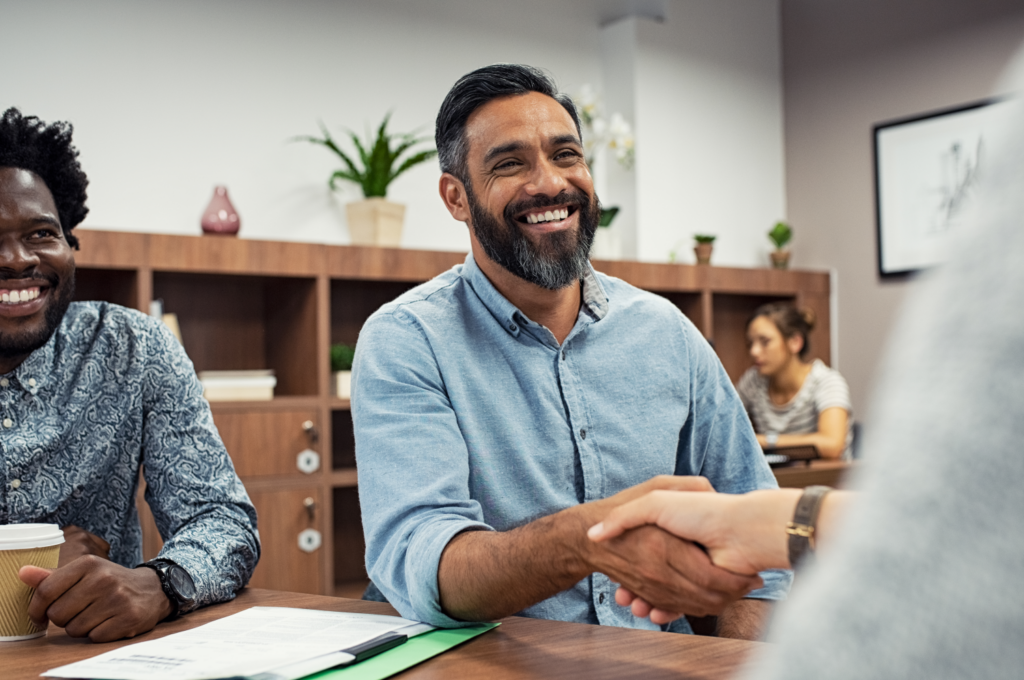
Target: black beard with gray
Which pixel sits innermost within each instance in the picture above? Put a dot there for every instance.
(14, 346)
(558, 260)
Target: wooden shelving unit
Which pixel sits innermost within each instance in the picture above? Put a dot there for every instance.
(246, 304)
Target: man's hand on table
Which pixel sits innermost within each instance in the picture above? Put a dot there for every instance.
(95, 598)
(79, 542)
(674, 575)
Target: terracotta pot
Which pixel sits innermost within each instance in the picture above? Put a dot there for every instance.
(703, 252)
(220, 216)
(780, 259)
(375, 222)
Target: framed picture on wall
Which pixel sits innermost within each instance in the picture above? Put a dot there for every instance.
(927, 169)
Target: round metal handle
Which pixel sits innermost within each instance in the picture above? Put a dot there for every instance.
(309, 427)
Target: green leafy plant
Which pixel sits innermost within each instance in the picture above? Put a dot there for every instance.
(704, 238)
(607, 215)
(780, 235)
(377, 157)
(341, 356)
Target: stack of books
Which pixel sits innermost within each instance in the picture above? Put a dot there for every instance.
(238, 385)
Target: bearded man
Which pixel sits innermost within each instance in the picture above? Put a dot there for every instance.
(509, 404)
(90, 392)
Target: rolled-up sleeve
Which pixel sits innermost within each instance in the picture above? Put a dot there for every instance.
(201, 508)
(413, 464)
(718, 442)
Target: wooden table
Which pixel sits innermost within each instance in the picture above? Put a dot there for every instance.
(827, 472)
(518, 648)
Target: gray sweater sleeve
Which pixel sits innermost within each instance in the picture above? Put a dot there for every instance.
(921, 579)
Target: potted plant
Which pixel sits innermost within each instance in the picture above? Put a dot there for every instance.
(616, 135)
(341, 369)
(374, 220)
(705, 244)
(780, 235)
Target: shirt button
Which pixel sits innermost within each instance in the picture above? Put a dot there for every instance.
(563, 355)
(512, 327)
(8, 422)
(31, 382)
(4, 382)
(583, 433)
(600, 599)
(15, 483)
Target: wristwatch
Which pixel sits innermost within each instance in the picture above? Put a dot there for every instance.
(802, 529)
(178, 586)
(771, 439)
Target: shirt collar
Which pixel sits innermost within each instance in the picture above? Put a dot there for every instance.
(34, 371)
(595, 300)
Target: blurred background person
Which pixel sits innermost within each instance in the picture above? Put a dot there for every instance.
(793, 402)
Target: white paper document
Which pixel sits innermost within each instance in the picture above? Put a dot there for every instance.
(276, 643)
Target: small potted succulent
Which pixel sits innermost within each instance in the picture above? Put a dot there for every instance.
(375, 220)
(705, 244)
(780, 235)
(341, 369)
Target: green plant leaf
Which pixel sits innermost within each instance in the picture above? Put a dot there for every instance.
(343, 174)
(376, 155)
(704, 238)
(342, 356)
(413, 160)
(780, 235)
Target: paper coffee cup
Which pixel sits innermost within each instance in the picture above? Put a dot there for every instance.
(21, 545)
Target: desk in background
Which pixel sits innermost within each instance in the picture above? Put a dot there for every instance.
(827, 472)
(519, 648)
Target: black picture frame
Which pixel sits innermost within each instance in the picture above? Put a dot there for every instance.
(945, 147)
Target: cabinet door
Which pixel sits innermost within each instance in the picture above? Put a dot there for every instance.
(266, 443)
(289, 559)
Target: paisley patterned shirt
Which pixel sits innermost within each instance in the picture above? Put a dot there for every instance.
(111, 393)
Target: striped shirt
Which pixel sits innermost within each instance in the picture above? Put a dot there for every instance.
(823, 388)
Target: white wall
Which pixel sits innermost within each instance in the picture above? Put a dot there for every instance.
(709, 130)
(169, 99)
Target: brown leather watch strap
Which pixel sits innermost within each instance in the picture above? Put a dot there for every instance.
(805, 520)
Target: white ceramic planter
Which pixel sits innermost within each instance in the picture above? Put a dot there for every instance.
(375, 222)
(607, 244)
(342, 382)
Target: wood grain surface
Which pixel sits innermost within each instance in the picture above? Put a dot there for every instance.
(519, 648)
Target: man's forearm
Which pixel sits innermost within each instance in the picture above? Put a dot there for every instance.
(745, 619)
(486, 575)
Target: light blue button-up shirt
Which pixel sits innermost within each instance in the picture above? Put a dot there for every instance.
(468, 415)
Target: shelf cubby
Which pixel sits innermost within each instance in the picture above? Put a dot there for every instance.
(231, 322)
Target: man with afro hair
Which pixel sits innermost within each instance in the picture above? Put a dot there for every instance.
(89, 391)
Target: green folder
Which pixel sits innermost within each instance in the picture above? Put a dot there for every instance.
(416, 650)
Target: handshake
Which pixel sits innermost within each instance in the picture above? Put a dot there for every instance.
(676, 547)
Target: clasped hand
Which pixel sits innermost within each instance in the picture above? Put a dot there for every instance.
(662, 575)
(90, 596)
(736, 532)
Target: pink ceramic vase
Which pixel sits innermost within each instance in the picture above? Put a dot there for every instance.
(220, 216)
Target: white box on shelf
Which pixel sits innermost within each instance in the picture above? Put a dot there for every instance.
(238, 385)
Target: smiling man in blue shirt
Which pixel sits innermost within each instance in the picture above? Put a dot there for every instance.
(504, 407)
(91, 392)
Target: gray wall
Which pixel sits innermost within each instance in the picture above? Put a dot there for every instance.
(848, 64)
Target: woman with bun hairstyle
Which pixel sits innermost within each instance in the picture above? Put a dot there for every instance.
(793, 402)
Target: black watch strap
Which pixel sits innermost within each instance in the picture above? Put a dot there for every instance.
(805, 520)
(176, 583)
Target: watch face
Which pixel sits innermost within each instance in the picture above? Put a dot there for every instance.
(182, 583)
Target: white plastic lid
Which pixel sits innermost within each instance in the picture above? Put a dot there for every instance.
(24, 536)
